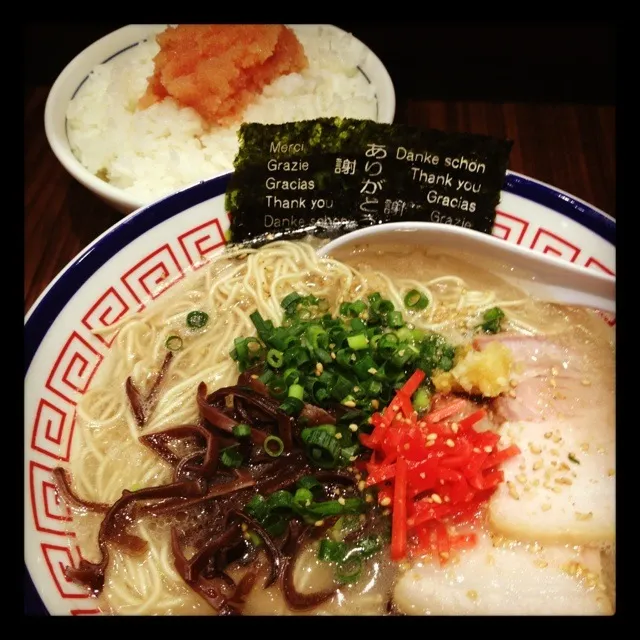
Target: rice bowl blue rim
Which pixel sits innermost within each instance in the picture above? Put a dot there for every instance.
(57, 295)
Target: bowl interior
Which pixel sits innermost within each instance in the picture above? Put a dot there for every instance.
(139, 260)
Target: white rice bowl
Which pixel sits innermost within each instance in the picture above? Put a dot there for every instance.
(153, 152)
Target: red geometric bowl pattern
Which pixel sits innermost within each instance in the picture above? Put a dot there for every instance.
(83, 352)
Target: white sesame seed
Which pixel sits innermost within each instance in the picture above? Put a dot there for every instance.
(338, 436)
(319, 523)
(353, 427)
(361, 485)
(546, 506)
(436, 498)
(385, 502)
(488, 449)
(450, 443)
(432, 436)
(341, 500)
(372, 371)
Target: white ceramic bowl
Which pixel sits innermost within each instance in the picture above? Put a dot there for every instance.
(115, 43)
(136, 261)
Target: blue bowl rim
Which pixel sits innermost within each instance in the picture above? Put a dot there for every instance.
(56, 296)
(60, 291)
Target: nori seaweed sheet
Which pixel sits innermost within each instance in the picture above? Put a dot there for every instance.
(359, 173)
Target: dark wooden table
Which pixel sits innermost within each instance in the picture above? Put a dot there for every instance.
(570, 146)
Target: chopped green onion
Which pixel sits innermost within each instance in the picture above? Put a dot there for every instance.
(305, 434)
(277, 388)
(290, 299)
(292, 406)
(257, 507)
(279, 500)
(296, 391)
(348, 401)
(303, 497)
(384, 306)
(291, 376)
(388, 344)
(241, 430)
(231, 457)
(273, 446)
(358, 307)
(335, 508)
(264, 328)
(369, 545)
(317, 336)
(358, 342)
(421, 400)
(350, 569)
(322, 448)
(173, 343)
(492, 320)
(197, 319)
(332, 551)
(274, 358)
(394, 319)
(415, 300)
(308, 482)
(341, 387)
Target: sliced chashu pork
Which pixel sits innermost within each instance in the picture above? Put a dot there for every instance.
(507, 579)
(561, 414)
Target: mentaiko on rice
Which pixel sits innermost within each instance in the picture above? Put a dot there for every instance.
(154, 151)
(393, 429)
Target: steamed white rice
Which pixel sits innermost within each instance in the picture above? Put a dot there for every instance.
(152, 152)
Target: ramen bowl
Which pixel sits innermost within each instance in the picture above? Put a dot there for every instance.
(124, 42)
(137, 262)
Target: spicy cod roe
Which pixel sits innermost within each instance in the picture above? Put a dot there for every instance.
(432, 472)
(219, 69)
